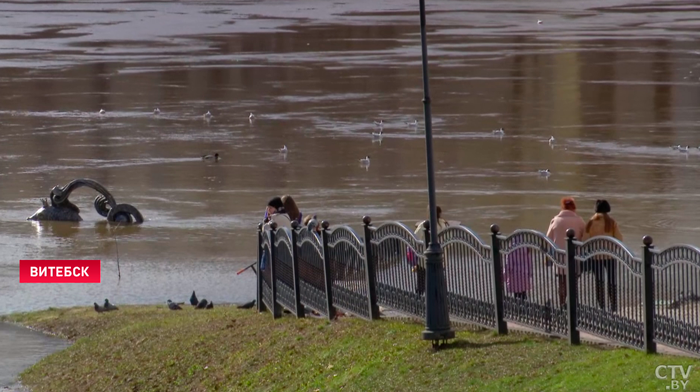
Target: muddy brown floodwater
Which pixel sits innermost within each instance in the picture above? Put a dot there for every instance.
(615, 82)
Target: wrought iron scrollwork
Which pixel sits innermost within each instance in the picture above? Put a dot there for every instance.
(676, 254)
(677, 297)
(398, 257)
(462, 235)
(608, 247)
(305, 236)
(534, 240)
(469, 276)
(311, 276)
(610, 291)
(533, 268)
(347, 255)
(397, 231)
(284, 235)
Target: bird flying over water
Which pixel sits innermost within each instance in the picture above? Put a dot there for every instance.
(284, 149)
(412, 124)
(207, 115)
(102, 111)
(365, 160)
(156, 111)
(551, 139)
(544, 172)
(499, 131)
(379, 123)
(251, 117)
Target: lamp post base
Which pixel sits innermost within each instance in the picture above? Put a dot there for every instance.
(437, 320)
(438, 335)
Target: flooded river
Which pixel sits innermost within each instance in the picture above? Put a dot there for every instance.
(615, 82)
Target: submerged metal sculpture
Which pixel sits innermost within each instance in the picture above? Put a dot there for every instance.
(61, 209)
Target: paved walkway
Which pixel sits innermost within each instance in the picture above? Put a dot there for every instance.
(585, 337)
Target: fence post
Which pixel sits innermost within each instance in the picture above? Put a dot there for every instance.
(259, 275)
(276, 311)
(648, 287)
(370, 270)
(327, 271)
(572, 288)
(295, 271)
(501, 325)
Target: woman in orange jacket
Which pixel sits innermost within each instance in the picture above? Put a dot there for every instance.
(601, 224)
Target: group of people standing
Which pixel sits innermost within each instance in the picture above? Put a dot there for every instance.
(284, 210)
(518, 265)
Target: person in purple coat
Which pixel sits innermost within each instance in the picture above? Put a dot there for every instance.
(517, 271)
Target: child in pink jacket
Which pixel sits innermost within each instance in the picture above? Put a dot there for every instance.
(517, 271)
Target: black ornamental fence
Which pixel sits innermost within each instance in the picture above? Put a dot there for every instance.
(599, 286)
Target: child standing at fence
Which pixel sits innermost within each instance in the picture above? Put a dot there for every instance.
(413, 259)
(517, 271)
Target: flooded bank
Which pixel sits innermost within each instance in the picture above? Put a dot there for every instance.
(22, 348)
(615, 83)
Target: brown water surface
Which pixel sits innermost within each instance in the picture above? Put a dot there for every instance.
(615, 82)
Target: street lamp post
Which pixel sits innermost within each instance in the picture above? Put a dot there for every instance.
(437, 317)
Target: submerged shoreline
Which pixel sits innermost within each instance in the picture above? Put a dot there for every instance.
(23, 346)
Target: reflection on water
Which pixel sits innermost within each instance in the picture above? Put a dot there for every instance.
(614, 82)
(63, 230)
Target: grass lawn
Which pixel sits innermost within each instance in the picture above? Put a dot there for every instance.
(150, 348)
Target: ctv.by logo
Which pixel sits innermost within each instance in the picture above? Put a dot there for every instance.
(662, 372)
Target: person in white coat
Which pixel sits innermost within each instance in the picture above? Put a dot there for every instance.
(275, 213)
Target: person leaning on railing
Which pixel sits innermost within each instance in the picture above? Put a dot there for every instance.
(414, 260)
(275, 212)
(290, 206)
(601, 224)
(566, 219)
(311, 224)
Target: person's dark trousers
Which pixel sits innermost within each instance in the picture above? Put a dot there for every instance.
(420, 280)
(606, 269)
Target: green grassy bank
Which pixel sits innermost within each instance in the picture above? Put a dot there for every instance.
(150, 348)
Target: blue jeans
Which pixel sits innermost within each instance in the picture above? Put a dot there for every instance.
(263, 260)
